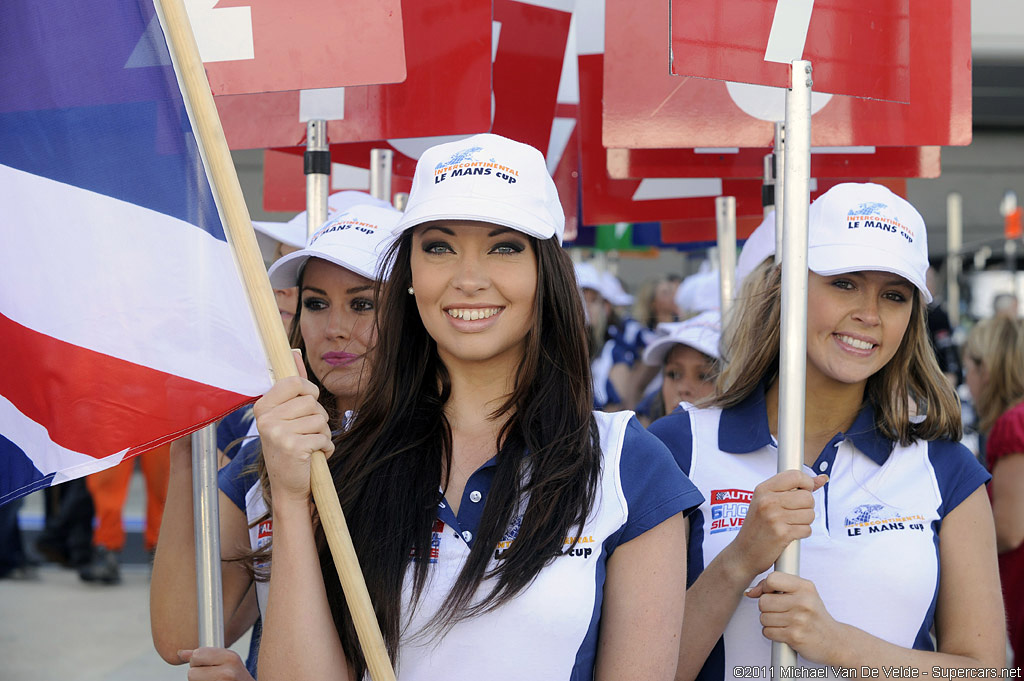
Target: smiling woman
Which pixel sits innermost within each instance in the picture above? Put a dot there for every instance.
(481, 490)
(899, 564)
(476, 286)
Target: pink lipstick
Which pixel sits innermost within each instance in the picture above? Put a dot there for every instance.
(337, 359)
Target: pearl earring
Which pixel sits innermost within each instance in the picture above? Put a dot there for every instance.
(411, 292)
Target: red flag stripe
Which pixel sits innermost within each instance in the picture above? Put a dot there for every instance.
(97, 404)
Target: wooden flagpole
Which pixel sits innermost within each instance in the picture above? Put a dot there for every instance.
(238, 228)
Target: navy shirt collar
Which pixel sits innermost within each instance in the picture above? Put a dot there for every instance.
(744, 429)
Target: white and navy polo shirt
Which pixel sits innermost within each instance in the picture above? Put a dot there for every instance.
(549, 630)
(873, 553)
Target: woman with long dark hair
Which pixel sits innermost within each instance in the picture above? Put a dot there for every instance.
(898, 562)
(333, 329)
(504, 529)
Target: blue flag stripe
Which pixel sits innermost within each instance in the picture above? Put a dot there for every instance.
(117, 122)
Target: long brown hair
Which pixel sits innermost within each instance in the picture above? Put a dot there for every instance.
(750, 347)
(997, 344)
(388, 465)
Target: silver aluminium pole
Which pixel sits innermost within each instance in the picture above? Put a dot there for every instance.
(793, 336)
(206, 518)
(380, 173)
(317, 166)
(780, 184)
(725, 219)
(954, 244)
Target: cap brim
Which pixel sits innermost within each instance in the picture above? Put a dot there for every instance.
(478, 210)
(822, 259)
(285, 272)
(698, 339)
(285, 232)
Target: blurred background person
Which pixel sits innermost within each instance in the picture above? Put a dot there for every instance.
(940, 332)
(686, 352)
(994, 373)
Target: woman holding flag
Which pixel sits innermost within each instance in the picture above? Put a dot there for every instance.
(333, 329)
(898, 540)
(504, 529)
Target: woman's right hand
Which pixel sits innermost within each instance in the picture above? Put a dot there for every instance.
(214, 664)
(292, 425)
(780, 511)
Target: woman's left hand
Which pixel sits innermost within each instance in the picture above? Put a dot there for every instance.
(792, 613)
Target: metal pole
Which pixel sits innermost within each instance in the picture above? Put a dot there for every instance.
(768, 185)
(780, 184)
(207, 534)
(793, 337)
(954, 244)
(380, 173)
(318, 175)
(725, 219)
(401, 199)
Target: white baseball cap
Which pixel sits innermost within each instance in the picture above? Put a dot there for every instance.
(700, 292)
(758, 246)
(611, 289)
(855, 227)
(587, 276)
(701, 333)
(285, 232)
(293, 233)
(488, 178)
(355, 239)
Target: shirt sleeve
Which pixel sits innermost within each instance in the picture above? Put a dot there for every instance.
(1007, 436)
(653, 485)
(957, 471)
(232, 429)
(675, 432)
(239, 475)
(623, 353)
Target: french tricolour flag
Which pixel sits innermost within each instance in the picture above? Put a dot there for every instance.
(122, 321)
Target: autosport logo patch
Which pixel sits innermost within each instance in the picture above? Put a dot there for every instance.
(728, 509)
(464, 163)
(872, 215)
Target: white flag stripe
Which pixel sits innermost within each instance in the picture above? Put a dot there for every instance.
(45, 454)
(149, 263)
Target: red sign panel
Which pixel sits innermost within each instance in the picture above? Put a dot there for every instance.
(645, 107)
(839, 162)
(447, 92)
(608, 200)
(856, 47)
(531, 44)
(274, 45)
(703, 230)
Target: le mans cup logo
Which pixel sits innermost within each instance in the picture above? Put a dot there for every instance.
(341, 225)
(464, 163)
(877, 518)
(728, 509)
(871, 215)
